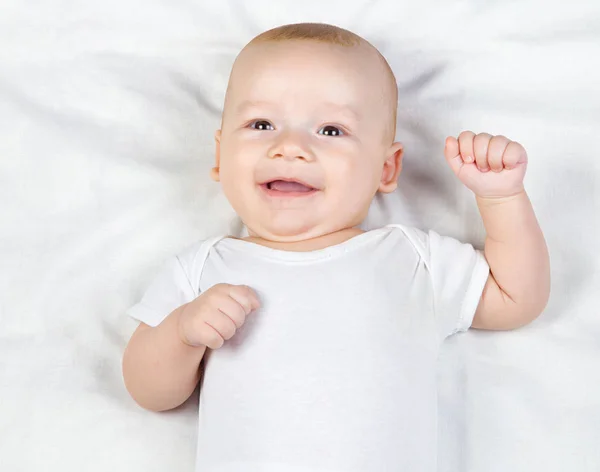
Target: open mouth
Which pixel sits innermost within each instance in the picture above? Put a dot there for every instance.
(288, 188)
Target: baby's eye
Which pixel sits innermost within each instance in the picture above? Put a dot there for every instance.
(330, 131)
(262, 125)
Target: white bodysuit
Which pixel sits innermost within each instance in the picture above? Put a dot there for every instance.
(336, 372)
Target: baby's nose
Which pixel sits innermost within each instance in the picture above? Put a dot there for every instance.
(291, 146)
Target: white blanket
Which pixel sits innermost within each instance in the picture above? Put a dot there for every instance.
(107, 112)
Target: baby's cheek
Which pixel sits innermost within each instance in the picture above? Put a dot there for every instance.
(232, 175)
(369, 172)
(357, 182)
(234, 166)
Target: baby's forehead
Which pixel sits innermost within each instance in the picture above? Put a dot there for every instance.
(280, 51)
(361, 63)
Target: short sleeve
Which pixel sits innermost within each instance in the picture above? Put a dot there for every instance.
(169, 289)
(459, 273)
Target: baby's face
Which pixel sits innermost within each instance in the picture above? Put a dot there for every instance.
(306, 139)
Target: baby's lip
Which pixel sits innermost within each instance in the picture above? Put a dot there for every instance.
(289, 179)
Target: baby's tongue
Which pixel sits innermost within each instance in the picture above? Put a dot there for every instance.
(283, 186)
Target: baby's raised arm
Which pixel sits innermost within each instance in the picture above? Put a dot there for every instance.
(161, 365)
(517, 290)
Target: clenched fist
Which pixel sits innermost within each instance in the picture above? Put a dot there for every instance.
(216, 315)
(490, 166)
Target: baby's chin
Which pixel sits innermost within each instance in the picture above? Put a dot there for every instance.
(291, 232)
(284, 234)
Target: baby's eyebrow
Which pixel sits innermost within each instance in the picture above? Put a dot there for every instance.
(249, 104)
(347, 110)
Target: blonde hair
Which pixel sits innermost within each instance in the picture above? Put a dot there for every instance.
(321, 32)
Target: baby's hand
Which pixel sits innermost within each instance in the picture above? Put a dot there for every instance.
(216, 315)
(490, 166)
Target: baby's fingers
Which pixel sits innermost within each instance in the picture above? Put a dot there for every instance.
(481, 143)
(451, 148)
(205, 328)
(232, 309)
(245, 296)
(496, 149)
(209, 337)
(222, 324)
(452, 154)
(465, 144)
(514, 154)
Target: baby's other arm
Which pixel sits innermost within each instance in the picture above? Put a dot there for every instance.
(161, 365)
(518, 288)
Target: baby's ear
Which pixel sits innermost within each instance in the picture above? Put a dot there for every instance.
(391, 168)
(214, 172)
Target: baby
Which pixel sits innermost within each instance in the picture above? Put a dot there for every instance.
(316, 341)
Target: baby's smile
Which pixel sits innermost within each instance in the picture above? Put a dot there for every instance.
(288, 188)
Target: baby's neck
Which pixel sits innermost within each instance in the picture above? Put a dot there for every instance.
(313, 244)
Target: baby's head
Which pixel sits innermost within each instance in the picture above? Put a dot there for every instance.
(307, 134)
